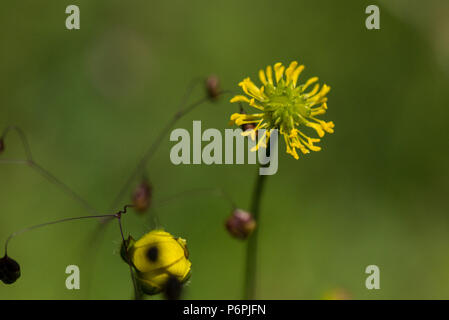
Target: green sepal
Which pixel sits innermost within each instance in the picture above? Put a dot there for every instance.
(148, 289)
(152, 290)
(187, 277)
(128, 244)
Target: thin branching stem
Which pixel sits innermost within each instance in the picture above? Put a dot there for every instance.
(140, 168)
(137, 293)
(13, 235)
(42, 171)
(182, 111)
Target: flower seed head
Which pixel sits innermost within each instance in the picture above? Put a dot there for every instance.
(142, 196)
(284, 105)
(213, 87)
(240, 224)
(9, 270)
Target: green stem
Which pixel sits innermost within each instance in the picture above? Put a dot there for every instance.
(251, 249)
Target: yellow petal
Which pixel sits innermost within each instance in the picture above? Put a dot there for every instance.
(269, 75)
(309, 82)
(324, 90)
(317, 128)
(251, 89)
(279, 71)
(293, 152)
(328, 126)
(313, 91)
(251, 133)
(235, 116)
(262, 77)
(296, 74)
(289, 72)
(240, 98)
(252, 103)
(318, 111)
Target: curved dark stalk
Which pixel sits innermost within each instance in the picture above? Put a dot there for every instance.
(42, 171)
(140, 168)
(19, 232)
(137, 292)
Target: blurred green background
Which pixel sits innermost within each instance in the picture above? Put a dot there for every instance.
(92, 100)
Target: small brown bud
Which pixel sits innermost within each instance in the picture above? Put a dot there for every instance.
(240, 224)
(248, 126)
(2, 145)
(142, 196)
(9, 270)
(213, 87)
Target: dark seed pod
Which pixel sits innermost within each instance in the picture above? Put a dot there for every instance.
(142, 196)
(2, 145)
(9, 270)
(240, 224)
(213, 87)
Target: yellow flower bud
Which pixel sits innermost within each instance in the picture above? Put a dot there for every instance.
(157, 257)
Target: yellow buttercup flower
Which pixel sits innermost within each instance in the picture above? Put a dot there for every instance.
(156, 257)
(285, 106)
